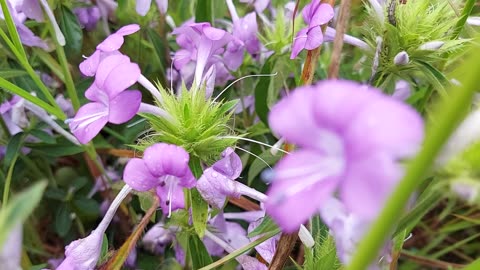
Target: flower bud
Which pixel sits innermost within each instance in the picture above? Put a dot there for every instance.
(401, 58)
(431, 45)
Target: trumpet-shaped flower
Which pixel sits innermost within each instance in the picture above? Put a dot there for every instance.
(315, 15)
(106, 48)
(218, 182)
(199, 41)
(110, 101)
(351, 138)
(164, 167)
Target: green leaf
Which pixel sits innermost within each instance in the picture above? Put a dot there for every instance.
(204, 11)
(43, 136)
(146, 201)
(71, 30)
(13, 148)
(161, 50)
(104, 250)
(261, 91)
(259, 164)
(267, 225)
(198, 252)
(63, 222)
(19, 208)
(12, 73)
(199, 212)
(86, 207)
(59, 149)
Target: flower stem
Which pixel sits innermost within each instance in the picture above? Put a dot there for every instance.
(448, 116)
(150, 87)
(338, 42)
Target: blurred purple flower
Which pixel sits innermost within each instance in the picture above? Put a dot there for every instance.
(14, 115)
(164, 167)
(315, 15)
(88, 17)
(157, 238)
(260, 5)
(328, 122)
(65, 104)
(348, 229)
(110, 101)
(266, 249)
(230, 232)
(402, 90)
(199, 42)
(218, 182)
(106, 48)
(11, 251)
(142, 6)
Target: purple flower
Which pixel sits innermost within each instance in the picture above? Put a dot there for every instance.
(88, 17)
(199, 42)
(110, 101)
(402, 90)
(218, 182)
(106, 48)
(164, 167)
(65, 104)
(14, 115)
(266, 249)
(11, 251)
(84, 253)
(348, 229)
(230, 232)
(157, 238)
(329, 122)
(143, 6)
(260, 5)
(315, 15)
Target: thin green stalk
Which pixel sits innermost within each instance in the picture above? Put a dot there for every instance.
(62, 58)
(467, 9)
(448, 116)
(241, 250)
(12, 29)
(50, 62)
(24, 94)
(8, 181)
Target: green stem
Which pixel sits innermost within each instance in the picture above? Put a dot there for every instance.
(24, 94)
(241, 250)
(448, 116)
(8, 181)
(467, 9)
(72, 92)
(12, 29)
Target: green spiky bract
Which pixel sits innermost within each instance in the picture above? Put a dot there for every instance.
(415, 23)
(199, 125)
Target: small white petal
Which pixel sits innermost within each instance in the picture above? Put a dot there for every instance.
(475, 21)
(306, 237)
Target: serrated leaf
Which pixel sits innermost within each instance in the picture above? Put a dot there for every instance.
(198, 252)
(63, 222)
(19, 208)
(267, 225)
(71, 30)
(43, 136)
(261, 91)
(259, 164)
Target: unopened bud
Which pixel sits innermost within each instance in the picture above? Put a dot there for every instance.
(401, 58)
(431, 45)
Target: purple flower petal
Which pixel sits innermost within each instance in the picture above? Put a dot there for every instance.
(230, 165)
(88, 121)
(369, 180)
(215, 187)
(124, 106)
(128, 29)
(322, 15)
(174, 202)
(138, 176)
(32, 9)
(314, 38)
(143, 6)
(299, 43)
(121, 77)
(167, 159)
(111, 43)
(303, 180)
(89, 66)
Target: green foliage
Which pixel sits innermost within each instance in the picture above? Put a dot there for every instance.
(323, 255)
(197, 124)
(406, 28)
